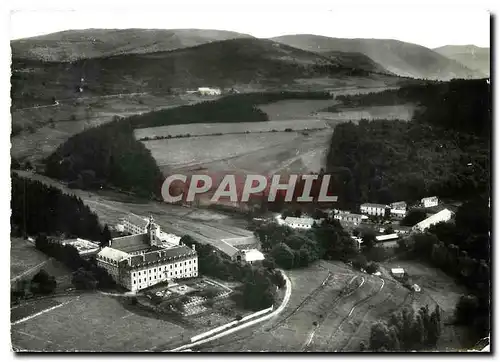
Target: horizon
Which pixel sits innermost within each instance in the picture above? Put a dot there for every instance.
(442, 26)
(256, 37)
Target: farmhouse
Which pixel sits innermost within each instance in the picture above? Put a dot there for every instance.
(398, 209)
(442, 216)
(205, 91)
(349, 218)
(142, 260)
(373, 209)
(430, 201)
(299, 222)
(398, 272)
(84, 247)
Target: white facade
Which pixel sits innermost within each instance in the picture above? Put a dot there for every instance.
(442, 216)
(430, 201)
(398, 213)
(299, 222)
(373, 209)
(348, 217)
(205, 91)
(134, 224)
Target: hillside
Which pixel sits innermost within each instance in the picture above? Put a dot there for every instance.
(471, 56)
(245, 63)
(404, 59)
(91, 43)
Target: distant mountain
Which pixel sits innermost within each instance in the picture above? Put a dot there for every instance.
(398, 57)
(246, 62)
(471, 56)
(91, 43)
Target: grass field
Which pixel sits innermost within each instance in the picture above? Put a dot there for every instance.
(25, 310)
(24, 257)
(93, 322)
(51, 126)
(297, 109)
(402, 112)
(203, 129)
(182, 152)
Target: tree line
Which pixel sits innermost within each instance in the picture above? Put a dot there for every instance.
(406, 331)
(462, 105)
(38, 208)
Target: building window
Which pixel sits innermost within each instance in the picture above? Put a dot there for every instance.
(170, 266)
(149, 278)
(134, 281)
(134, 274)
(175, 265)
(155, 270)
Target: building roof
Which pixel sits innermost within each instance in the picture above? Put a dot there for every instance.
(131, 243)
(299, 220)
(397, 271)
(431, 198)
(137, 220)
(112, 254)
(386, 237)
(443, 215)
(162, 255)
(82, 246)
(373, 205)
(226, 248)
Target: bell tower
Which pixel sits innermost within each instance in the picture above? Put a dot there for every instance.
(152, 231)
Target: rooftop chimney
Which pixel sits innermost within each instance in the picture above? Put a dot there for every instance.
(193, 247)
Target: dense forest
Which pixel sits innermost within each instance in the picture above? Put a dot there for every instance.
(37, 208)
(440, 152)
(463, 105)
(109, 155)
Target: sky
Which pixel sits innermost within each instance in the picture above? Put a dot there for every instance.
(427, 25)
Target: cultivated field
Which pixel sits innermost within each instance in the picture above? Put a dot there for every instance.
(333, 307)
(48, 127)
(296, 109)
(24, 258)
(403, 112)
(203, 129)
(93, 322)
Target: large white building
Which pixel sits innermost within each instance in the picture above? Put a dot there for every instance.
(373, 209)
(205, 91)
(442, 216)
(141, 260)
(398, 209)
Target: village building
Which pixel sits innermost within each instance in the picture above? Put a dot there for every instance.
(442, 216)
(354, 219)
(299, 222)
(373, 209)
(206, 91)
(398, 272)
(141, 260)
(398, 209)
(242, 250)
(430, 201)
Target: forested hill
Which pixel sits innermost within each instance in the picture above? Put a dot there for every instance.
(443, 151)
